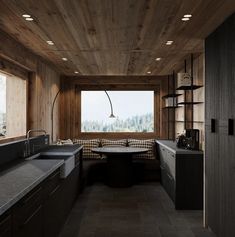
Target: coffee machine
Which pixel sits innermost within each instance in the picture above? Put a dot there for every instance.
(192, 139)
(189, 139)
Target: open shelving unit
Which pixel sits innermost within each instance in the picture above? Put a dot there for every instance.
(189, 103)
(171, 96)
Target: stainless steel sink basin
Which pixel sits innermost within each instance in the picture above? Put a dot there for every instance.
(65, 169)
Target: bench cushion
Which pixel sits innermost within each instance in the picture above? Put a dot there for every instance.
(147, 143)
(87, 146)
(114, 143)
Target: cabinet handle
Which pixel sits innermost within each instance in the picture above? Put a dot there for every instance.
(169, 176)
(31, 196)
(54, 175)
(5, 220)
(230, 127)
(212, 125)
(28, 219)
(52, 192)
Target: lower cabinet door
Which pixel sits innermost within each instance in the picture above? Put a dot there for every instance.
(168, 183)
(32, 226)
(5, 226)
(53, 213)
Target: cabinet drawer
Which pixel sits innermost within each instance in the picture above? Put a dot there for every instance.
(170, 163)
(5, 226)
(168, 183)
(51, 183)
(25, 208)
(162, 154)
(77, 159)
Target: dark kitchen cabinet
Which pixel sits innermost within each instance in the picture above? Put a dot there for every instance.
(5, 225)
(182, 175)
(52, 209)
(27, 215)
(219, 144)
(60, 197)
(43, 211)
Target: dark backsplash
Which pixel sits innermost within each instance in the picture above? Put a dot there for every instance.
(15, 150)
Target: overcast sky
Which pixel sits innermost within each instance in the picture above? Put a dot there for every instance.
(95, 104)
(2, 94)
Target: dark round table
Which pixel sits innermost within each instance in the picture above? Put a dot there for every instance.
(119, 164)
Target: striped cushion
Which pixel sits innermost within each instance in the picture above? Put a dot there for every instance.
(87, 146)
(149, 144)
(115, 143)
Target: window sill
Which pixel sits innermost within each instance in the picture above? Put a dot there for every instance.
(11, 139)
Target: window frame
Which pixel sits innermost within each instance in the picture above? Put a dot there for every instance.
(117, 135)
(21, 76)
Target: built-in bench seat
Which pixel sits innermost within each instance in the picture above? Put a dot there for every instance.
(146, 166)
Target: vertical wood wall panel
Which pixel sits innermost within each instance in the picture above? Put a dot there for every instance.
(43, 86)
(70, 108)
(16, 121)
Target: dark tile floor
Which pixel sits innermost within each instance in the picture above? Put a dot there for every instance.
(140, 211)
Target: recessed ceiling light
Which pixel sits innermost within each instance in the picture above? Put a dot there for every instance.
(158, 59)
(185, 19)
(149, 72)
(76, 72)
(169, 42)
(50, 42)
(29, 19)
(26, 15)
(187, 15)
(64, 59)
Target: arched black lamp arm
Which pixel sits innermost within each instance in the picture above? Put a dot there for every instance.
(52, 114)
(111, 106)
(53, 105)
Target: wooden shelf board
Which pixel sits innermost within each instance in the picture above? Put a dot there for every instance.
(170, 95)
(193, 87)
(189, 103)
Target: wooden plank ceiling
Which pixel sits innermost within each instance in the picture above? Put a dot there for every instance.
(113, 37)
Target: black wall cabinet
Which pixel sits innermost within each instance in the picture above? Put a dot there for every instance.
(220, 141)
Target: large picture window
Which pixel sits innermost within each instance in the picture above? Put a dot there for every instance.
(12, 106)
(133, 110)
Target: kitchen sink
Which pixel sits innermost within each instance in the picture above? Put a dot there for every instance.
(65, 169)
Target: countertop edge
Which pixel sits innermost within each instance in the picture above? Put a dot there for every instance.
(62, 153)
(178, 151)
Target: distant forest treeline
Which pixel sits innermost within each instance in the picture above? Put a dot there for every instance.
(138, 123)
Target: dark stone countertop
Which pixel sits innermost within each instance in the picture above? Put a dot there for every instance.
(17, 181)
(171, 145)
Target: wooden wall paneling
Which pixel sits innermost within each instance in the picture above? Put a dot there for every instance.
(43, 86)
(13, 69)
(70, 108)
(116, 80)
(78, 111)
(32, 101)
(156, 110)
(16, 106)
(43, 81)
(16, 53)
(163, 112)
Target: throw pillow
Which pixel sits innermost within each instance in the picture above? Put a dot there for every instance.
(149, 144)
(114, 143)
(87, 146)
